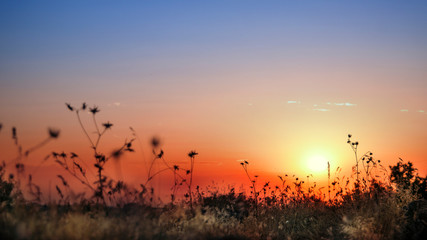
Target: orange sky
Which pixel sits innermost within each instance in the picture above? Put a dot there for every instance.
(274, 84)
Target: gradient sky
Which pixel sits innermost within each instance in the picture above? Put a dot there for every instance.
(273, 82)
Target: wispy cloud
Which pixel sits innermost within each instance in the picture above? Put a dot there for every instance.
(321, 110)
(293, 102)
(241, 160)
(421, 111)
(346, 104)
(404, 110)
(116, 104)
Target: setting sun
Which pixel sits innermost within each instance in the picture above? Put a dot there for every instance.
(317, 163)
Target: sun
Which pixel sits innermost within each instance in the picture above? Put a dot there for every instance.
(317, 163)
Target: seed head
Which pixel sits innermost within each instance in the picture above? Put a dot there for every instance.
(117, 154)
(14, 132)
(107, 125)
(192, 154)
(94, 110)
(53, 133)
(84, 106)
(155, 142)
(69, 107)
(160, 155)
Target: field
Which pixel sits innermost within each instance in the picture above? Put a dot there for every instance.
(376, 202)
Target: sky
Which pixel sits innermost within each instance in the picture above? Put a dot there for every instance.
(277, 83)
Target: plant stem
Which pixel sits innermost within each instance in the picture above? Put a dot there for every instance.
(84, 130)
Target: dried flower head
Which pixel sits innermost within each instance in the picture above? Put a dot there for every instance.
(84, 106)
(160, 155)
(192, 154)
(94, 110)
(155, 142)
(117, 153)
(69, 107)
(107, 125)
(53, 133)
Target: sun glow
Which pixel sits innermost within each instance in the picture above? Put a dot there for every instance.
(317, 163)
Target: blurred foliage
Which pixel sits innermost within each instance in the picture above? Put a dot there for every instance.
(405, 176)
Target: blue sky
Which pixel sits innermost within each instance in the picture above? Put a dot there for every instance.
(96, 35)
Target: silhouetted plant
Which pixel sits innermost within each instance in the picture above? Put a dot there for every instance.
(192, 155)
(179, 179)
(100, 158)
(354, 145)
(6, 188)
(18, 161)
(369, 165)
(253, 181)
(405, 175)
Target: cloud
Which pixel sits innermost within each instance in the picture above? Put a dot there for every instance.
(421, 111)
(404, 110)
(291, 102)
(345, 104)
(116, 104)
(321, 110)
(241, 160)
